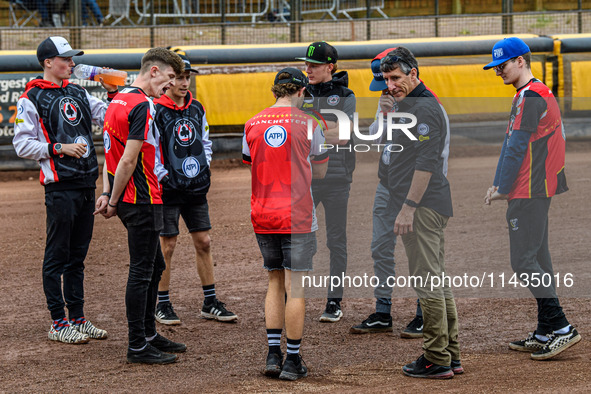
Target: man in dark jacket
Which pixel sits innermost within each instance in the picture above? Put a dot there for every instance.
(328, 89)
(54, 126)
(186, 154)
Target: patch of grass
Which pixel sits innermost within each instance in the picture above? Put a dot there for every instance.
(542, 21)
(464, 32)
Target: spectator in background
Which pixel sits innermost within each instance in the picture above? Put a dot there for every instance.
(94, 8)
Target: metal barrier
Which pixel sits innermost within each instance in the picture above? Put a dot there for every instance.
(326, 7)
(119, 9)
(346, 6)
(182, 9)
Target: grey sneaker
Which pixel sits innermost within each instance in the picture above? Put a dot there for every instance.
(557, 343)
(332, 313)
(529, 344)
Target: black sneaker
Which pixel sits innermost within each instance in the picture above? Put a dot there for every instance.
(414, 328)
(423, 368)
(456, 367)
(150, 355)
(165, 314)
(374, 323)
(556, 344)
(530, 344)
(293, 370)
(166, 345)
(274, 364)
(332, 313)
(217, 311)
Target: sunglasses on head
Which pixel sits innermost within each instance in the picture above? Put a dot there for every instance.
(391, 59)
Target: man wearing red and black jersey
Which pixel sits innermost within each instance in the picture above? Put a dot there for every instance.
(530, 171)
(284, 160)
(54, 126)
(186, 154)
(131, 158)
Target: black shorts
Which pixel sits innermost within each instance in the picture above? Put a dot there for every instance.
(196, 217)
(287, 251)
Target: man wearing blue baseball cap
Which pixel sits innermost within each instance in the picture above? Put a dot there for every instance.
(530, 171)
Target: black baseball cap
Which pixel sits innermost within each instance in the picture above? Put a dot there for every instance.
(56, 46)
(296, 77)
(187, 64)
(320, 53)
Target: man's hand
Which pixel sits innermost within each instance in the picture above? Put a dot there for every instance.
(492, 194)
(111, 211)
(108, 86)
(386, 101)
(75, 150)
(101, 205)
(404, 220)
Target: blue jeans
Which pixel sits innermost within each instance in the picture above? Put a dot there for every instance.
(146, 264)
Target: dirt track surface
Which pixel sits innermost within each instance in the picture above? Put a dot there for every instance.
(229, 357)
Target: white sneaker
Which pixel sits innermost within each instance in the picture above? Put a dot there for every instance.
(68, 334)
(89, 329)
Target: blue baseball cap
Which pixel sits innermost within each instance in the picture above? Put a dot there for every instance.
(507, 49)
(378, 83)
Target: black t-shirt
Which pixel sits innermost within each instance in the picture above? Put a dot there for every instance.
(424, 154)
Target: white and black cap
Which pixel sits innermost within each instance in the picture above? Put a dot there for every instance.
(56, 46)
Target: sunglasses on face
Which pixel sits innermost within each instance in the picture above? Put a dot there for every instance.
(501, 67)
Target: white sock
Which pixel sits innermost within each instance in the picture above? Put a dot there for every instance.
(563, 330)
(151, 338)
(542, 338)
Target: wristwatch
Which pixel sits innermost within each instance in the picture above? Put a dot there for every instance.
(58, 148)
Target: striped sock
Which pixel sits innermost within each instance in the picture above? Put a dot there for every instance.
(274, 340)
(79, 320)
(293, 349)
(60, 323)
(209, 293)
(163, 297)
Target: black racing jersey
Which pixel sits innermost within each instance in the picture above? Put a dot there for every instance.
(425, 153)
(334, 94)
(48, 114)
(186, 149)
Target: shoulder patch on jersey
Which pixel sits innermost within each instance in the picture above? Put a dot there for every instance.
(333, 100)
(423, 129)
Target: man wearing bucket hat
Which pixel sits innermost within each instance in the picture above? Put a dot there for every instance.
(54, 126)
(329, 90)
(530, 171)
(186, 155)
(283, 162)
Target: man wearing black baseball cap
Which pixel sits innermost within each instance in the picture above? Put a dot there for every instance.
(54, 126)
(282, 213)
(329, 90)
(186, 155)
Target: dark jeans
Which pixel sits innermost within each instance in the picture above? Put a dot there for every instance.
(146, 264)
(69, 230)
(334, 197)
(530, 256)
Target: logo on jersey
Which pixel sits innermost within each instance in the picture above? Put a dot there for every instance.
(184, 132)
(191, 167)
(333, 100)
(106, 142)
(275, 136)
(423, 129)
(70, 111)
(82, 140)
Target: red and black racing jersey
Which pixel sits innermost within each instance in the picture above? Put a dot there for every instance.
(130, 117)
